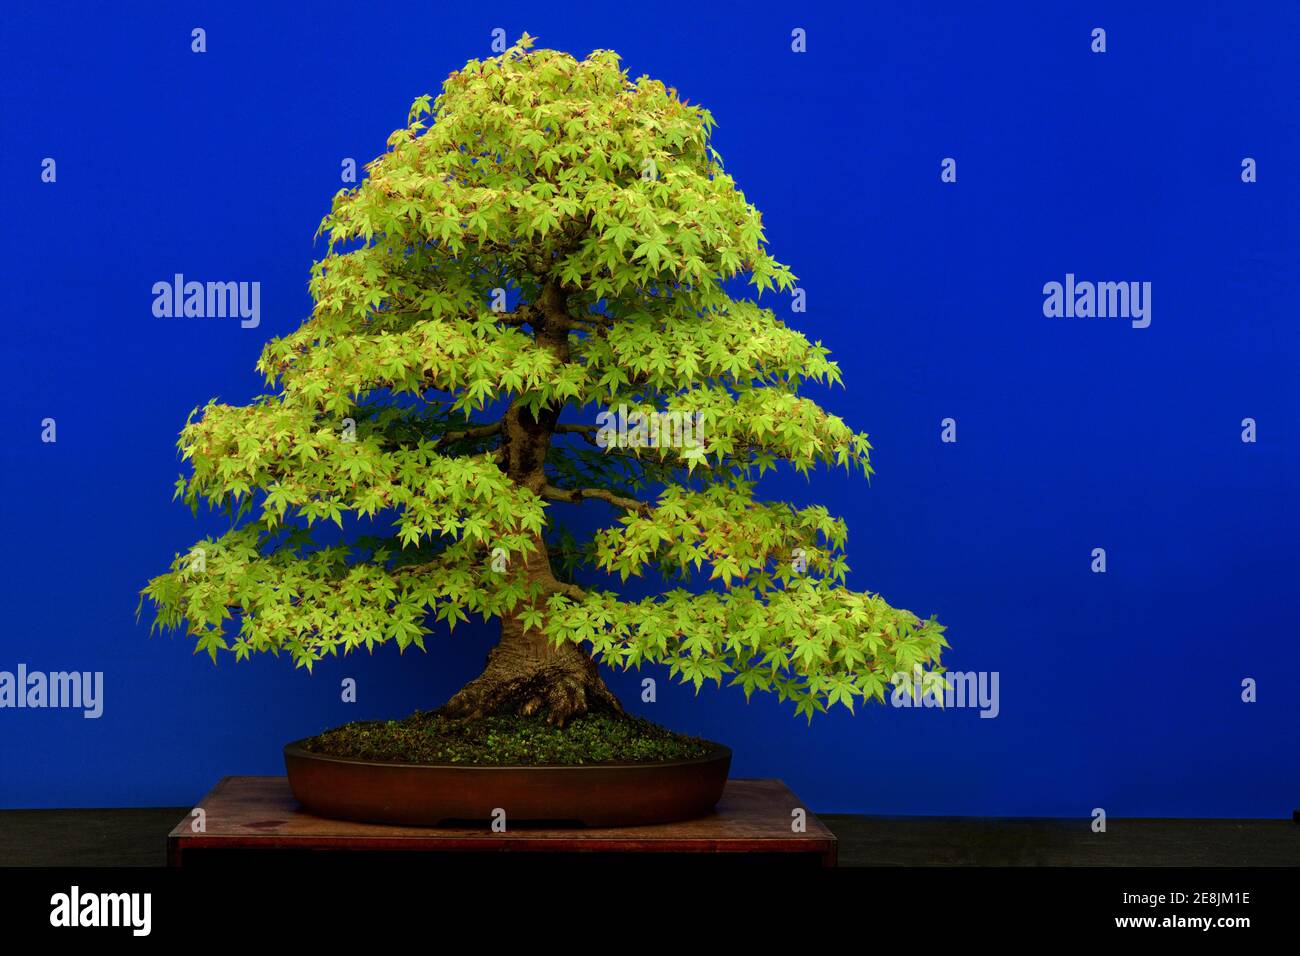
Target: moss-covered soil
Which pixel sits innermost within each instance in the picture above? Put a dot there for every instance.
(425, 737)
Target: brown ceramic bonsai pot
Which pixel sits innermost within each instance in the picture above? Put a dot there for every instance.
(600, 795)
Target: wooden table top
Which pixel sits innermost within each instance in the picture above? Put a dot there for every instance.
(753, 816)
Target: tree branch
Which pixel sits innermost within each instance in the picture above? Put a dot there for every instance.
(524, 315)
(579, 495)
(575, 323)
(478, 431)
(571, 591)
(586, 431)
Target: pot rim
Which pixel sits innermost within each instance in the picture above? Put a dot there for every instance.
(717, 752)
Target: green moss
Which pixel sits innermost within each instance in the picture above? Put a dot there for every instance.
(424, 737)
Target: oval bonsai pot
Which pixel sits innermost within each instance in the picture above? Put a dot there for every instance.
(601, 795)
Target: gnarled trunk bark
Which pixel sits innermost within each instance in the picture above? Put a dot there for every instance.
(525, 673)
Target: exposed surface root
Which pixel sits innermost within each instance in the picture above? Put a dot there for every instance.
(557, 686)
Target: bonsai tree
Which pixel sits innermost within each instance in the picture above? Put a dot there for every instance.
(523, 308)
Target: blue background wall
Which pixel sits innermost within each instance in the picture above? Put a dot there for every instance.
(1119, 690)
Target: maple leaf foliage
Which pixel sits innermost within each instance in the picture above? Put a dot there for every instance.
(530, 170)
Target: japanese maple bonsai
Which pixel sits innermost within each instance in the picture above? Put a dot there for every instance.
(544, 236)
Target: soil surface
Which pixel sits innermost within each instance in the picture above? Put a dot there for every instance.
(426, 737)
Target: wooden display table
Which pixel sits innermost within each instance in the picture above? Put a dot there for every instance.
(249, 820)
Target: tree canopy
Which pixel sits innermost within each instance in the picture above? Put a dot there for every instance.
(544, 237)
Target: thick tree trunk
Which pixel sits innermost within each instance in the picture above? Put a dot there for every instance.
(525, 673)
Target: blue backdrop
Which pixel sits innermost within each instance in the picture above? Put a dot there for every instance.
(1121, 690)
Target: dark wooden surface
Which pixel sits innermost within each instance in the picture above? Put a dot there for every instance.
(1048, 841)
(121, 836)
(259, 814)
(137, 837)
